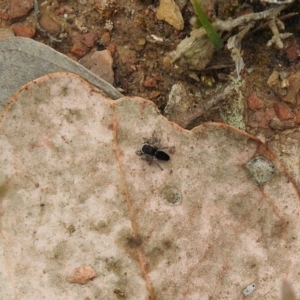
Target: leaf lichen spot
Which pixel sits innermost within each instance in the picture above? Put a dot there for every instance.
(133, 242)
(261, 169)
(3, 190)
(171, 196)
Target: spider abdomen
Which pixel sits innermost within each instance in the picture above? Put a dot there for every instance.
(162, 155)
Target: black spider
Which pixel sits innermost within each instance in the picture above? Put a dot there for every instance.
(151, 151)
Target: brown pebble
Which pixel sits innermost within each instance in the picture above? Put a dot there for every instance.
(133, 67)
(105, 38)
(223, 77)
(293, 89)
(89, 39)
(4, 15)
(244, 11)
(100, 63)
(260, 119)
(298, 117)
(273, 79)
(60, 11)
(20, 8)
(254, 102)
(292, 52)
(282, 125)
(79, 50)
(111, 47)
(49, 24)
(283, 112)
(154, 94)
(97, 6)
(24, 31)
(152, 82)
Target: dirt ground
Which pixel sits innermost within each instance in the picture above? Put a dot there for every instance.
(267, 109)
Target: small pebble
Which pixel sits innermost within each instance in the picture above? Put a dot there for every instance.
(24, 31)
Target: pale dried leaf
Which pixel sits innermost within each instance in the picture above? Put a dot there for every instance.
(74, 193)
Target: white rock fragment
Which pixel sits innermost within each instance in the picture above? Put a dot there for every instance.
(109, 25)
(177, 104)
(249, 289)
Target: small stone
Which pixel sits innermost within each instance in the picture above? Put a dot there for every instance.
(292, 52)
(60, 11)
(256, 120)
(20, 8)
(24, 31)
(287, 88)
(282, 125)
(285, 83)
(82, 275)
(153, 81)
(154, 94)
(260, 119)
(169, 12)
(298, 117)
(111, 47)
(100, 63)
(283, 112)
(273, 79)
(133, 67)
(254, 102)
(292, 95)
(141, 41)
(249, 289)
(179, 103)
(223, 77)
(244, 11)
(283, 75)
(97, 6)
(4, 15)
(49, 24)
(79, 50)
(105, 38)
(89, 39)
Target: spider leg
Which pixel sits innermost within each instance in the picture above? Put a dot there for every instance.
(154, 135)
(139, 152)
(155, 141)
(158, 163)
(149, 159)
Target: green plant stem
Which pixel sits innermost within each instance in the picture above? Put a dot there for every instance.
(210, 30)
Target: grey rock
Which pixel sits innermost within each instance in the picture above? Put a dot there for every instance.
(23, 60)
